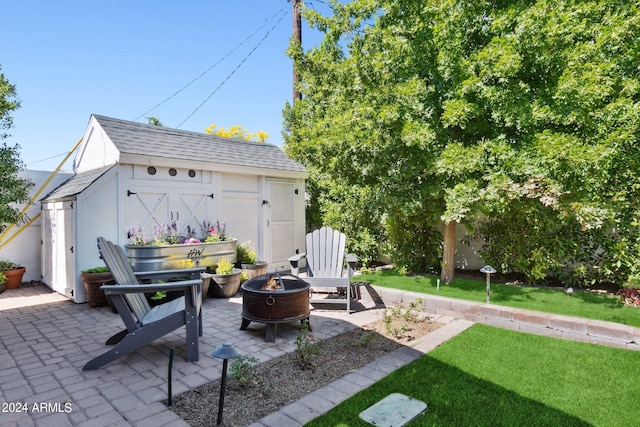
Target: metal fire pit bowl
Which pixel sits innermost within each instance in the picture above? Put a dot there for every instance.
(273, 307)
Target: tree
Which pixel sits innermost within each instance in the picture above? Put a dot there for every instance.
(154, 121)
(237, 132)
(518, 119)
(13, 189)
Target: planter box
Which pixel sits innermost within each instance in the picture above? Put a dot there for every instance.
(253, 270)
(174, 257)
(92, 283)
(223, 285)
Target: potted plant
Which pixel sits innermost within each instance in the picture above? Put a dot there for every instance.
(225, 282)
(92, 279)
(248, 261)
(3, 282)
(14, 273)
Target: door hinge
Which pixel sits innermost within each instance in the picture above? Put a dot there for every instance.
(130, 193)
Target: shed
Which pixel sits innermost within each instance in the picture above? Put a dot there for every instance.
(128, 173)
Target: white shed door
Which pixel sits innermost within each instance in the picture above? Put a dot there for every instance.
(58, 256)
(155, 204)
(280, 221)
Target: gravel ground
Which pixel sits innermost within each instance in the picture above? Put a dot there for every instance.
(282, 381)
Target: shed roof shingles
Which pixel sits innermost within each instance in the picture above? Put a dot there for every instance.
(76, 184)
(150, 140)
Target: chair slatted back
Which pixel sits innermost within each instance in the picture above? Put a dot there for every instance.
(115, 258)
(325, 253)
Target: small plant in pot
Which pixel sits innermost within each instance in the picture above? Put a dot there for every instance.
(14, 273)
(92, 279)
(225, 282)
(3, 282)
(248, 261)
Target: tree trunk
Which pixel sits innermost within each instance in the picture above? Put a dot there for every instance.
(448, 266)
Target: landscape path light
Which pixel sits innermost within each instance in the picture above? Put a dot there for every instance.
(488, 270)
(225, 352)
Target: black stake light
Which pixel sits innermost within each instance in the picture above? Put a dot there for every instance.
(225, 352)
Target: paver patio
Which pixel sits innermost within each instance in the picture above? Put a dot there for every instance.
(46, 339)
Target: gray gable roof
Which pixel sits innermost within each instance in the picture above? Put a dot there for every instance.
(157, 141)
(76, 184)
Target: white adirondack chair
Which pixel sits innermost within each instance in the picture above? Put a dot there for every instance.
(327, 265)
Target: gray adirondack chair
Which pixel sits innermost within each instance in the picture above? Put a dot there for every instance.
(145, 324)
(327, 265)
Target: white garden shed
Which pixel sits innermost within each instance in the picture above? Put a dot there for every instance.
(128, 173)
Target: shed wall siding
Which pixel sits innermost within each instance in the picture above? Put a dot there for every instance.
(96, 150)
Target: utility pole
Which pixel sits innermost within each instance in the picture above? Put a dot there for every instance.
(297, 35)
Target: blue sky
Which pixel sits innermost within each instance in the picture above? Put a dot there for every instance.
(71, 59)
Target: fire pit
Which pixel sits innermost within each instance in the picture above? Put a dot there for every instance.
(273, 299)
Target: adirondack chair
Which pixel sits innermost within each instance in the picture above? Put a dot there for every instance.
(143, 323)
(326, 265)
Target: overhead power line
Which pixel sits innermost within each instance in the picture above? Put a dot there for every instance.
(218, 62)
(284, 13)
(48, 158)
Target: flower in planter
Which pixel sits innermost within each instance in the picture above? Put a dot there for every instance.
(224, 267)
(246, 254)
(135, 234)
(216, 232)
(167, 234)
(3, 277)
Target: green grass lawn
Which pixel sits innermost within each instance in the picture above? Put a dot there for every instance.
(488, 376)
(581, 304)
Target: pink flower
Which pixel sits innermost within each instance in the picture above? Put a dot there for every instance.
(191, 240)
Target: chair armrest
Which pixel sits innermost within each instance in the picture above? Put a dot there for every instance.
(297, 257)
(293, 260)
(160, 287)
(166, 274)
(352, 260)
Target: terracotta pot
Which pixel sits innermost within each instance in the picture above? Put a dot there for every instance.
(14, 277)
(92, 283)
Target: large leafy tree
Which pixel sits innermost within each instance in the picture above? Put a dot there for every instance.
(13, 189)
(434, 113)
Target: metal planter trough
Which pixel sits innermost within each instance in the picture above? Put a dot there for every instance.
(173, 257)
